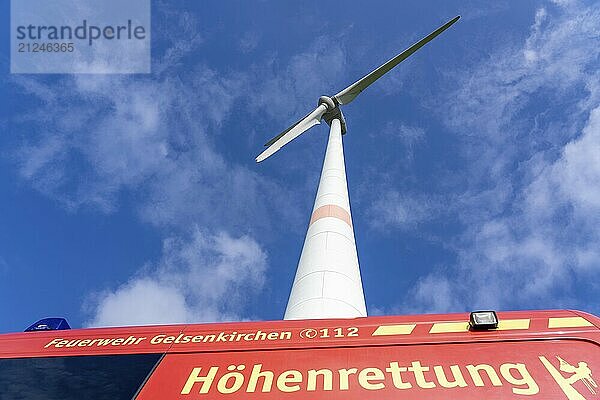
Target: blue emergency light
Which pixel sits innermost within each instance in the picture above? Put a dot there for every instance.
(49, 324)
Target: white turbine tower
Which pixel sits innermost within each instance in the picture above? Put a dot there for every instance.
(328, 282)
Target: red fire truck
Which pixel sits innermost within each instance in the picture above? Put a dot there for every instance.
(511, 355)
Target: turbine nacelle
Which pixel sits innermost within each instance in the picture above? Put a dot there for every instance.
(333, 111)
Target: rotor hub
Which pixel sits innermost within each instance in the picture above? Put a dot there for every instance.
(328, 101)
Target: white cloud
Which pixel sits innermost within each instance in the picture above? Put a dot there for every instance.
(156, 139)
(408, 136)
(106, 135)
(249, 41)
(394, 210)
(287, 93)
(142, 301)
(389, 208)
(578, 172)
(147, 137)
(531, 206)
(180, 42)
(3, 265)
(201, 279)
(433, 293)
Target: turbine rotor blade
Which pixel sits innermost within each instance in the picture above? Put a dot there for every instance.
(312, 119)
(348, 94)
(276, 138)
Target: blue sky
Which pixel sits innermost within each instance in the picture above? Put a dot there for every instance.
(473, 169)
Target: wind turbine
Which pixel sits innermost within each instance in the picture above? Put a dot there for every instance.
(328, 282)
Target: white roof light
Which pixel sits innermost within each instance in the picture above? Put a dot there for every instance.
(483, 320)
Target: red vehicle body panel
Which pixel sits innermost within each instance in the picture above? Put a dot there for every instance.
(539, 354)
